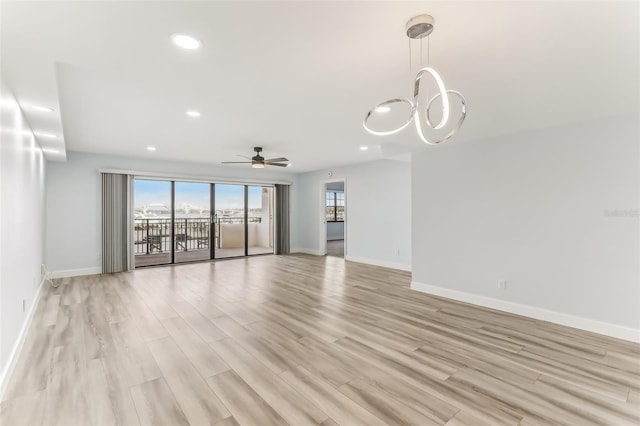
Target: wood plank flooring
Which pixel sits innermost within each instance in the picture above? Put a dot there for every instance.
(335, 248)
(304, 340)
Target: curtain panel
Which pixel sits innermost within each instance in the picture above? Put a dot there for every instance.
(282, 219)
(117, 223)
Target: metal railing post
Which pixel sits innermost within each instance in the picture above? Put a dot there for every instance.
(147, 236)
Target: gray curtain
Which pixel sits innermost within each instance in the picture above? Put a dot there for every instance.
(282, 219)
(117, 235)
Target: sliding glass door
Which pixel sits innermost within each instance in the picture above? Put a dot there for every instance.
(229, 218)
(179, 222)
(260, 220)
(152, 222)
(192, 221)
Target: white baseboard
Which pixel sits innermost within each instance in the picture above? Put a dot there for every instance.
(600, 327)
(376, 262)
(75, 272)
(307, 251)
(17, 347)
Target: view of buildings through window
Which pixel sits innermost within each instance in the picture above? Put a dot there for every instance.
(190, 221)
(335, 206)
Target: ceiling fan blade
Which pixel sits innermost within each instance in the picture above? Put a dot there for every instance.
(243, 156)
(276, 160)
(277, 164)
(236, 162)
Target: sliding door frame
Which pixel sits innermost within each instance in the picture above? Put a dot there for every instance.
(246, 220)
(172, 233)
(212, 217)
(212, 221)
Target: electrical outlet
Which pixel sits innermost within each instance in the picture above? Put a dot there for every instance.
(502, 284)
(397, 252)
(43, 269)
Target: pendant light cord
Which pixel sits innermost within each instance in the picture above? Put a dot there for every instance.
(428, 53)
(410, 83)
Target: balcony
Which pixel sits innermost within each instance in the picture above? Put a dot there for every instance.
(152, 239)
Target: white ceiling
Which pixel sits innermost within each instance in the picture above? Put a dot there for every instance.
(298, 77)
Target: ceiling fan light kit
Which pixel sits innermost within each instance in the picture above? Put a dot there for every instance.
(258, 161)
(418, 28)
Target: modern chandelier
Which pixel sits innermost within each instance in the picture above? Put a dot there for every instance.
(420, 27)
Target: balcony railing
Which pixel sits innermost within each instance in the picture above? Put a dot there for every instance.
(154, 235)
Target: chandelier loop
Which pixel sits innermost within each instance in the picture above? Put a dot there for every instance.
(441, 88)
(452, 131)
(384, 104)
(420, 27)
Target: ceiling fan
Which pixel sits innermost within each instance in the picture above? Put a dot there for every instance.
(258, 161)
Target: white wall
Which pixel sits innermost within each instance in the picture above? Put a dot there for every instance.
(73, 202)
(22, 189)
(335, 230)
(335, 186)
(264, 229)
(378, 199)
(536, 209)
(232, 235)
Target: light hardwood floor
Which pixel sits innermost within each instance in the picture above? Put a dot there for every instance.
(335, 248)
(303, 340)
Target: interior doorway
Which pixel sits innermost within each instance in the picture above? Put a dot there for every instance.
(334, 218)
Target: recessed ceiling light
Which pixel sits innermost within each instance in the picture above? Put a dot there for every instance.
(193, 113)
(50, 150)
(186, 41)
(41, 108)
(364, 148)
(46, 135)
(151, 148)
(383, 108)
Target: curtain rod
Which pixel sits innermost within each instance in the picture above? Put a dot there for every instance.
(195, 178)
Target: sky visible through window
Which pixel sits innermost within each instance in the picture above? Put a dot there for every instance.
(196, 194)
